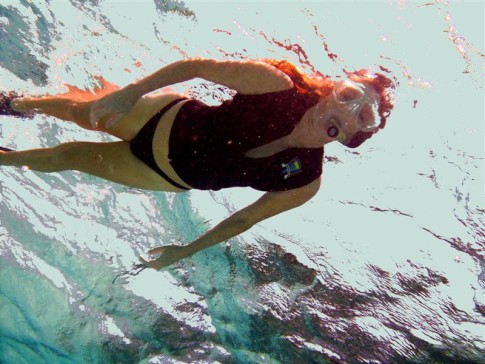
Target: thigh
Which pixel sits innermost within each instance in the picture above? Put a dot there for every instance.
(131, 123)
(111, 161)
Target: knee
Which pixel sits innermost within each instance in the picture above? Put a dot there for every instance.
(80, 113)
(50, 159)
(56, 159)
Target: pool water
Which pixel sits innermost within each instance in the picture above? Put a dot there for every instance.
(385, 265)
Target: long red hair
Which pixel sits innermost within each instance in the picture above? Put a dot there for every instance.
(383, 86)
(318, 86)
(321, 86)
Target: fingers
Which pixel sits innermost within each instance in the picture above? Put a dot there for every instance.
(167, 255)
(155, 264)
(156, 251)
(149, 263)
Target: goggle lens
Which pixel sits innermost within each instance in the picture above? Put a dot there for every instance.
(358, 102)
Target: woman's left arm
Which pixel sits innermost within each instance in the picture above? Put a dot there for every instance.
(270, 204)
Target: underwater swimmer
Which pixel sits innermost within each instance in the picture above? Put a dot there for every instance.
(270, 136)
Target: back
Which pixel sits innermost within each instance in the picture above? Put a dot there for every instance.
(207, 144)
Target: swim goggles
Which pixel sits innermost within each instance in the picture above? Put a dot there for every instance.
(347, 107)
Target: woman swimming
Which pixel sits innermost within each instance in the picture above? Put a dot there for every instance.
(269, 136)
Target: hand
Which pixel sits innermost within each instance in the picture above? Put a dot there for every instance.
(169, 254)
(112, 107)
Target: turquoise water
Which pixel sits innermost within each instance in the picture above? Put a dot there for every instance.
(385, 265)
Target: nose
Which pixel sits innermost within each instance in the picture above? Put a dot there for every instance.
(366, 117)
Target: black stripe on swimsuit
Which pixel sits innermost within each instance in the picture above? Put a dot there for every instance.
(142, 144)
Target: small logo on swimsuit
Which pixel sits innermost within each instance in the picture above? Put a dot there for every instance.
(292, 168)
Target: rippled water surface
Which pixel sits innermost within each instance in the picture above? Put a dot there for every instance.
(385, 265)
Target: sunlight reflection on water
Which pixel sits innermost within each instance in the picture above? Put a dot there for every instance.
(385, 264)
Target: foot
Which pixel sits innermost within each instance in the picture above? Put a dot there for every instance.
(6, 106)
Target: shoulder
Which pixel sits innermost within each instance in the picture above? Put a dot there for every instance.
(261, 77)
(278, 72)
(286, 68)
(249, 77)
(304, 83)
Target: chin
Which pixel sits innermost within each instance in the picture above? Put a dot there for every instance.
(358, 139)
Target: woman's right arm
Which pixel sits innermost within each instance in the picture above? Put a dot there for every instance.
(246, 77)
(169, 75)
(114, 105)
(270, 204)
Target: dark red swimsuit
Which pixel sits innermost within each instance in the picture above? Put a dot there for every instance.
(208, 143)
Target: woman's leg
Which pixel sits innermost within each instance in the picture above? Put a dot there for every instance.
(79, 112)
(111, 161)
(57, 106)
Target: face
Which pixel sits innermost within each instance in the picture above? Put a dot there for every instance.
(349, 109)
